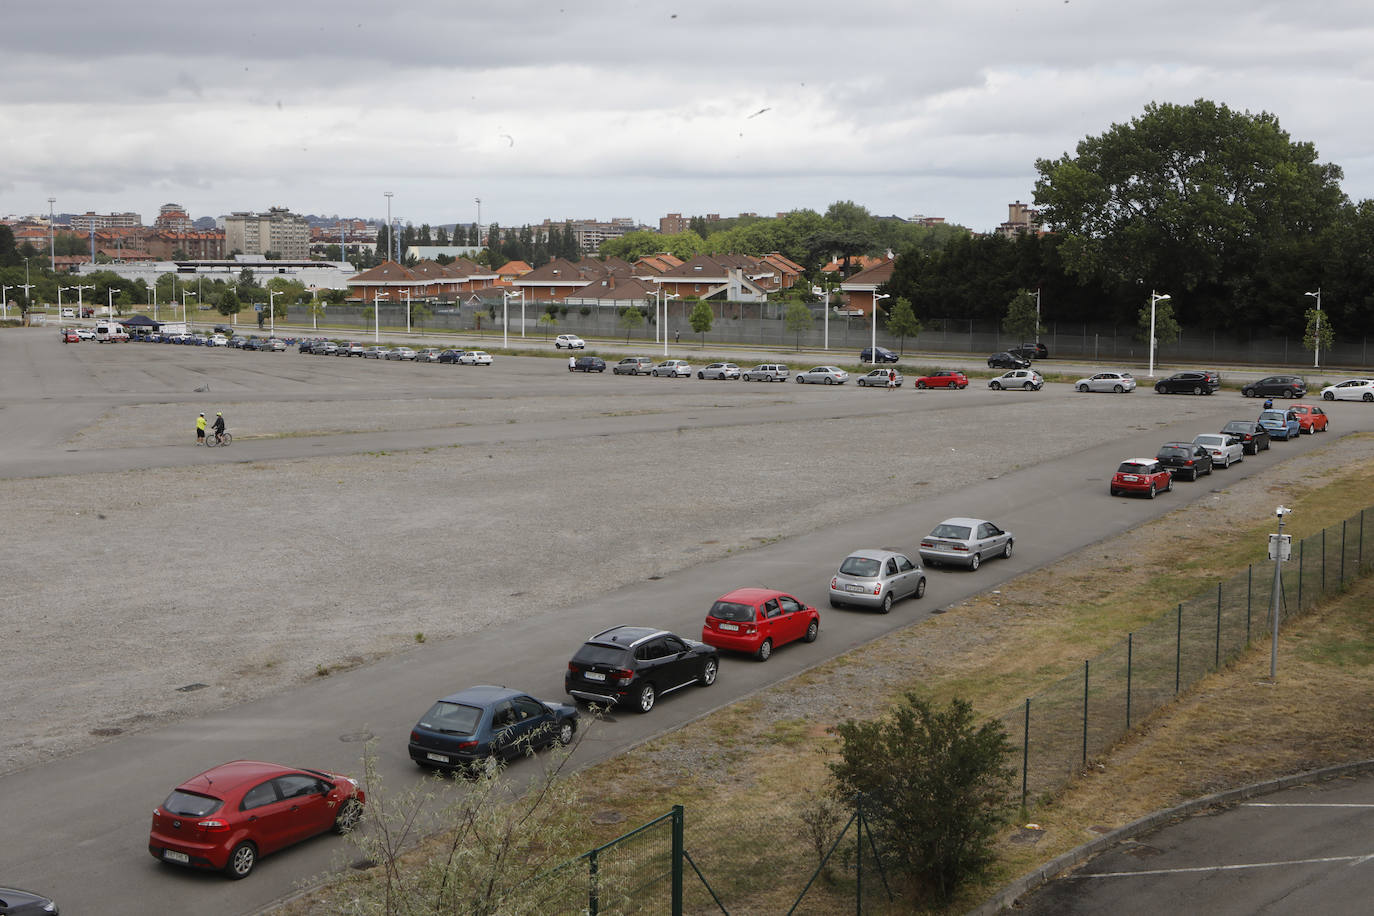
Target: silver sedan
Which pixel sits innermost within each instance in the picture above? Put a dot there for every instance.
(965, 542)
(1115, 382)
(878, 379)
(823, 375)
(876, 578)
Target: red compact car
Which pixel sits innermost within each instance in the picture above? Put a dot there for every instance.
(943, 378)
(1141, 475)
(1310, 419)
(758, 620)
(228, 816)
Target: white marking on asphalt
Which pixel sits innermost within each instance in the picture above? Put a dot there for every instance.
(1302, 805)
(1327, 860)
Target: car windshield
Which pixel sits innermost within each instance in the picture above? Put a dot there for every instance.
(957, 532)
(452, 718)
(730, 610)
(860, 567)
(188, 804)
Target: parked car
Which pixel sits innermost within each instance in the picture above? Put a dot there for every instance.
(1226, 450)
(1030, 351)
(571, 341)
(1005, 360)
(634, 365)
(965, 542)
(69, 336)
(823, 375)
(719, 371)
(1281, 424)
(232, 814)
(274, 344)
(322, 347)
(352, 348)
(478, 728)
(1352, 389)
(634, 666)
(451, 356)
(25, 903)
(1276, 386)
(427, 355)
(672, 368)
(766, 372)
(251, 343)
(219, 340)
(1114, 381)
(878, 378)
(1186, 459)
(1253, 437)
(377, 352)
(875, 579)
(758, 620)
(1142, 476)
(1025, 379)
(588, 364)
(475, 358)
(943, 378)
(1189, 382)
(224, 329)
(86, 333)
(1311, 419)
(400, 353)
(884, 355)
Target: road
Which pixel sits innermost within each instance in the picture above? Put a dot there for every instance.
(76, 826)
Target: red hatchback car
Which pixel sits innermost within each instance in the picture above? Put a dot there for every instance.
(229, 816)
(1141, 475)
(758, 620)
(943, 378)
(1311, 419)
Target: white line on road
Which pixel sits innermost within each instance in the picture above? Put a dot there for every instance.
(1207, 868)
(1302, 805)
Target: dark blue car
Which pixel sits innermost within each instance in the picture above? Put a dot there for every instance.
(477, 728)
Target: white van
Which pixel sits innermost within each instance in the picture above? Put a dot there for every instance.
(107, 331)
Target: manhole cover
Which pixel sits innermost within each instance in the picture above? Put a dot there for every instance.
(189, 688)
(106, 732)
(354, 737)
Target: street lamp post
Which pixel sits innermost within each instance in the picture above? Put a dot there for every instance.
(666, 296)
(376, 315)
(390, 230)
(817, 291)
(1317, 338)
(109, 303)
(80, 306)
(1037, 315)
(1280, 547)
(506, 297)
(873, 351)
(1154, 298)
(5, 301)
(52, 245)
(186, 320)
(272, 311)
(479, 221)
(406, 293)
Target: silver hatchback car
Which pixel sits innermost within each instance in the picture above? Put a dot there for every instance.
(719, 370)
(965, 542)
(876, 578)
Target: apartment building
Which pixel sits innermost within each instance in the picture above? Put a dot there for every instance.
(278, 231)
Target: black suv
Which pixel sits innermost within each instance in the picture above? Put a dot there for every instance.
(633, 666)
(588, 364)
(1031, 351)
(1194, 381)
(1007, 360)
(1276, 386)
(1253, 437)
(884, 355)
(1185, 458)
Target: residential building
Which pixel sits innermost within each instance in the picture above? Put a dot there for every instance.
(172, 218)
(89, 219)
(1020, 218)
(278, 232)
(860, 291)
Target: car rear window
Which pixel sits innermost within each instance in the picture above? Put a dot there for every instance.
(189, 804)
(452, 718)
(1130, 467)
(596, 654)
(730, 610)
(860, 567)
(957, 532)
(1173, 453)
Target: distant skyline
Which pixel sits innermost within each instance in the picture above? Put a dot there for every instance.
(614, 108)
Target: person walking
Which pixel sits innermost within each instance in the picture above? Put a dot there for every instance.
(677, 336)
(200, 430)
(572, 363)
(891, 379)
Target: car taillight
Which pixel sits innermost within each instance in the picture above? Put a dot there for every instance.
(573, 668)
(213, 826)
(878, 588)
(466, 745)
(834, 582)
(961, 547)
(750, 629)
(927, 544)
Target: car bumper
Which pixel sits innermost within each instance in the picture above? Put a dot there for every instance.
(733, 642)
(601, 694)
(947, 557)
(864, 598)
(1134, 486)
(197, 855)
(442, 757)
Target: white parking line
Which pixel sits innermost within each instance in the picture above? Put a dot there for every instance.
(1302, 805)
(1206, 868)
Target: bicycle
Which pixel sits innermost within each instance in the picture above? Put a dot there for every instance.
(224, 438)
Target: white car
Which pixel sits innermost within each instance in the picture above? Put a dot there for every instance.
(673, 368)
(475, 358)
(1025, 379)
(571, 341)
(219, 340)
(276, 344)
(85, 333)
(1352, 389)
(1117, 382)
(719, 370)
(1226, 450)
(823, 375)
(401, 353)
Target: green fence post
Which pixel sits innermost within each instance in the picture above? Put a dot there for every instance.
(1085, 712)
(1301, 545)
(1323, 591)
(1178, 648)
(593, 879)
(1343, 524)
(1025, 753)
(1249, 592)
(678, 848)
(859, 856)
(1216, 660)
(1130, 645)
(1359, 558)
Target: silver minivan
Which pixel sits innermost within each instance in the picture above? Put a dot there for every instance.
(767, 372)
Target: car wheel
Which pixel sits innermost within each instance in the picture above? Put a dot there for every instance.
(1083, 389)
(1368, 396)
(995, 385)
(765, 650)
(709, 669)
(1168, 487)
(647, 696)
(1159, 389)
(829, 380)
(974, 562)
(565, 732)
(1197, 390)
(1328, 396)
(813, 629)
(1246, 393)
(800, 380)
(349, 815)
(241, 861)
(886, 606)
(1152, 491)
(1114, 491)
(1006, 551)
(920, 588)
(1029, 386)
(920, 384)
(1118, 389)
(1290, 394)
(701, 375)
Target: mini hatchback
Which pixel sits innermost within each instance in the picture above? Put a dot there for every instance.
(875, 579)
(1144, 476)
(758, 620)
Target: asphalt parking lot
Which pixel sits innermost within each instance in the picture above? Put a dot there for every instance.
(503, 512)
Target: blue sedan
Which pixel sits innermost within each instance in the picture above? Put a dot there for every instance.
(1282, 424)
(478, 728)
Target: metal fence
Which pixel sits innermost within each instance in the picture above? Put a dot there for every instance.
(1081, 716)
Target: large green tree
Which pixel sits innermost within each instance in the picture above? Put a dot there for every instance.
(903, 323)
(798, 320)
(1022, 321)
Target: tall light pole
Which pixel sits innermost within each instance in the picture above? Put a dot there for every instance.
(817, 291)
(79, 303)
(1037, 315)
(1280, 548)
(5, 301)
(506, 297)
(479, 221)
(272, 311)
(666, 297)
(59, 300)
(109, 303)
(184, 293)
(1154, 298)
(376, 316)
(390, 230)
(1316, 340)
(52, 244)
(406, 293)
(873, 351)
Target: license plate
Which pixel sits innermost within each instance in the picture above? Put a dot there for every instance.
(732, 627)
(1130, 478)
(437, 758)
(854, 588)
(594, 675)
(171, 855)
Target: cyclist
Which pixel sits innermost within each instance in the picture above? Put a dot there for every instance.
(219, 428)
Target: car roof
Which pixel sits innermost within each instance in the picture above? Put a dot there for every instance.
(481, 695)
(233, 775)
(750, 595)
(626, 636)
(872, 553)
(969, 521)
(1142, 460)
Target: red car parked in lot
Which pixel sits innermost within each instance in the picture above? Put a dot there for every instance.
(1141, 475)
(758, 620)
(230, 815)
(943, 378)
(1310, 419)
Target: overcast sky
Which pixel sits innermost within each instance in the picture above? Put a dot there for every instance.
(593, 109)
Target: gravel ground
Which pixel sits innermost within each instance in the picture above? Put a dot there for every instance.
(216, 554)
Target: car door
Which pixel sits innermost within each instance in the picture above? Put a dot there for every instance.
(678, 662)
(794, 617)
(267, 817)
(308, 809)
(908, 578)
(990, 539)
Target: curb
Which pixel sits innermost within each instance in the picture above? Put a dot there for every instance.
(1006, 898)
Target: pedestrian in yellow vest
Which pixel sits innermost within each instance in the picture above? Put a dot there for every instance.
(200, 430)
